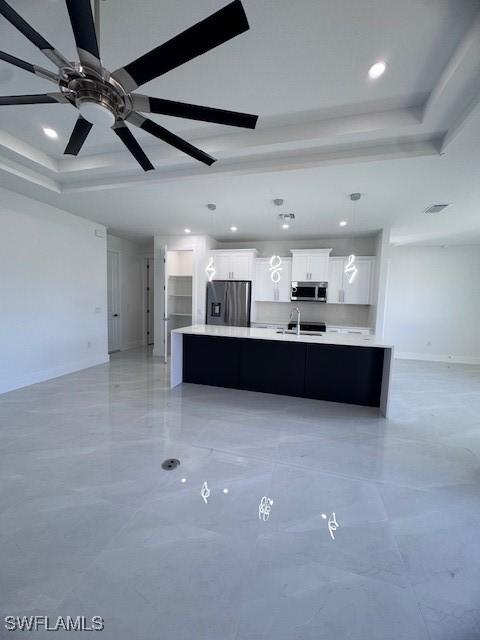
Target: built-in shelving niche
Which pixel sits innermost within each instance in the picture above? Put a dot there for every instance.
(179, 289)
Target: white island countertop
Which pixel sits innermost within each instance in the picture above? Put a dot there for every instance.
(344, 339)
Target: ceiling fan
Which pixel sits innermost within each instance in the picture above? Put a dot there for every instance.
(108, 99)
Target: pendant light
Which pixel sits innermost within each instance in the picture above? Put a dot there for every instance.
(350, 266)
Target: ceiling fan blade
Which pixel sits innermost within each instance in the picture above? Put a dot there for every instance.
(83, 26)
(126, 136)
(37, 98)
(79, 135)
(225, 24)
(145, 104)
(169, 137)
(32, 68)
(35, 38)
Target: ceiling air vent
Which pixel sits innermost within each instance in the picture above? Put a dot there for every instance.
(286, 216)
(436, 208)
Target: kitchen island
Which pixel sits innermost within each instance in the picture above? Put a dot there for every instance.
(334, 367)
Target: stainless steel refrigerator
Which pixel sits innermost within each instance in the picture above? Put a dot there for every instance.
(229, 302)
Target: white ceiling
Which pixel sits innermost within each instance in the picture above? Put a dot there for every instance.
(405, 141)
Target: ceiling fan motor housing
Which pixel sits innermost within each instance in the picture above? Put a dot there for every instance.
(98, 102)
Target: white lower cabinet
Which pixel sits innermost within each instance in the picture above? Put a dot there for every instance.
(358, 331)
(359, 291)
(266, 290)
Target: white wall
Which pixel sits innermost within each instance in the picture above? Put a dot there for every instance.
(376, 311)
(341, 246)
(53, 292)
(131, 266)
(433, 303)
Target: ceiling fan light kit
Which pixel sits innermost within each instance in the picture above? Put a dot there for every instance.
(105, 99)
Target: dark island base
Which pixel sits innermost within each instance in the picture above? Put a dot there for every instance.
(335, 373)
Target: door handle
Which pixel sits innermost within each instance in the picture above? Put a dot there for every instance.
(115, 315)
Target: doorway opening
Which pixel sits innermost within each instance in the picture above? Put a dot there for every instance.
(178, 290)
(113, 300)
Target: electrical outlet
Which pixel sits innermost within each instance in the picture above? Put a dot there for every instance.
(98, 309)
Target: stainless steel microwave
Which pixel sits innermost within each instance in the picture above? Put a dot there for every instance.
(309, 291)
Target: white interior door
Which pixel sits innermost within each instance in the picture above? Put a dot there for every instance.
(113, 294)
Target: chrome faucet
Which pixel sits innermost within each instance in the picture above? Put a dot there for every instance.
(298, 318)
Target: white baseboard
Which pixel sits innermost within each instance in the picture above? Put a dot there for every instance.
(436, 358)
(53, 372)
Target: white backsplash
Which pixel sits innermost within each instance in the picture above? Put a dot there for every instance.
(350, 315)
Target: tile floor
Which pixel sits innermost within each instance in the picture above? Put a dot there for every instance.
(91, 525)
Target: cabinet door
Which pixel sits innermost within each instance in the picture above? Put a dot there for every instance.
(300, 264)
(222, 265)
(339, 373)
(335, 280)
(358, 292)
(318, 267)
(213, 361)
(285, 285)
(271, 366)
(241, 266)
(264, 287)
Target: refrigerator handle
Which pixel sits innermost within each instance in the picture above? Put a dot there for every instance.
(226, 305)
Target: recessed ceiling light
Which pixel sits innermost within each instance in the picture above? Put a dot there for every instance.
(50, 133)
(377, 70)
(188, 230)
(234, 228)
(285, 226)
(343, 223)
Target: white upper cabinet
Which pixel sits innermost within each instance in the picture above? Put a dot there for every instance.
(310, 265)
(265, 289)
(236, 264)
(300, 264)
(222, 266)
(340, 291)
(285, 284)
(336, 267)
(359, 291)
